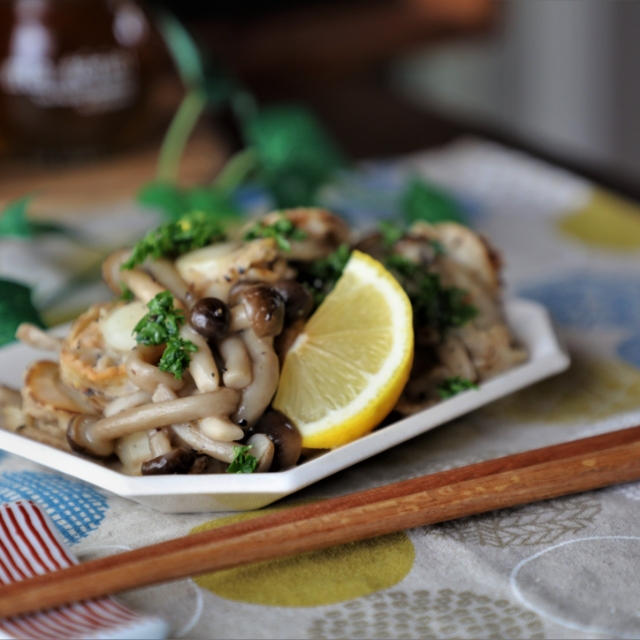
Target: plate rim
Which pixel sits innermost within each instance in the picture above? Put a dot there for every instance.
(547, 357)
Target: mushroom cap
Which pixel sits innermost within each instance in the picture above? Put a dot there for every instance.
(177, 460)
(298, 300)
(210, 318)
(263, 306)
(285, 437)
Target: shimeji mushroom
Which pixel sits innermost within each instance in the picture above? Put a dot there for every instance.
(257, 307)
(283, 434)
(37, 338)
(297, 299)
(237, 364)
(262, 449)
(97, 437)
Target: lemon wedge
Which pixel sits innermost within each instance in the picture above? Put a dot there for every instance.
(346, 371)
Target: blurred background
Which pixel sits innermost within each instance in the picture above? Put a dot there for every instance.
(87, 80)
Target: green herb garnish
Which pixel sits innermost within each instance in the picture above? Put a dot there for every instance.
(320, 276)
(391, 232)
(126, 294)
(161, 323)
(175, 238)
(282, 231)
(15, 222)
(162, 326)
(175, 357)
(243, 461)
(434, 305)
(450, 387)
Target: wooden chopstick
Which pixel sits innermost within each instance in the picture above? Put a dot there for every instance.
(539, 474)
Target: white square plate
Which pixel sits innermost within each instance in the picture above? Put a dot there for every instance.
(238, 492)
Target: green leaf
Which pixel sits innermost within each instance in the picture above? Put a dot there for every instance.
(15, 307)
(163, 196)
(296, 155)
(15, 222)
(421, 201)
(176, 202)
(212, 201)
(183, 49)
(243, 461)
(453, 386)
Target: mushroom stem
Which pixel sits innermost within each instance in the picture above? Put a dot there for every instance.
(37, 338)
(237, 364)
(97, 436)
(266, 373)
(220, 429)
(167, 275)
(202, 366)
(125, 402)
(143, 286)
(159, 443)
(111, 269)
(263, 449)
(193, 438)
(240, 319)
(147, 376)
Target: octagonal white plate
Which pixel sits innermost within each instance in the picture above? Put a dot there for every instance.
(238, 492)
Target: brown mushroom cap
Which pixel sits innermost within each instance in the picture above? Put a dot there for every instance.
(210, 318)
(263, 306)
(284, 435)
(297, 299)
(175, 461)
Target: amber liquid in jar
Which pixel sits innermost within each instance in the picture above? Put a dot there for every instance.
(76, 76)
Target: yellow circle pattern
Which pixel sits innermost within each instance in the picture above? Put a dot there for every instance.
(606, 222)
(317, 578)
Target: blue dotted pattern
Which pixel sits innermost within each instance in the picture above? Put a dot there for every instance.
(76, 508)
(589, 300)
(373, 193)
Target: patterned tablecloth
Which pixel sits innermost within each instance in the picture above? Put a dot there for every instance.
(565, 568)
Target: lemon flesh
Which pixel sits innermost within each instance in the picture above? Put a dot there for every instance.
(346, 371)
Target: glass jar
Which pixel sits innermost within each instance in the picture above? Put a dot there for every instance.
(76, 76)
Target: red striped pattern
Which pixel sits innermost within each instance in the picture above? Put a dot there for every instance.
(30, 546)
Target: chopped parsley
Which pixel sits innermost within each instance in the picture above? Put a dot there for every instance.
(175, 238)
(390, 232)
(434, 305)
(282, 231)
(450, 387)
(320, 276)
(162, 326)
(175, 357)
(243, 461)
(126, 293)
